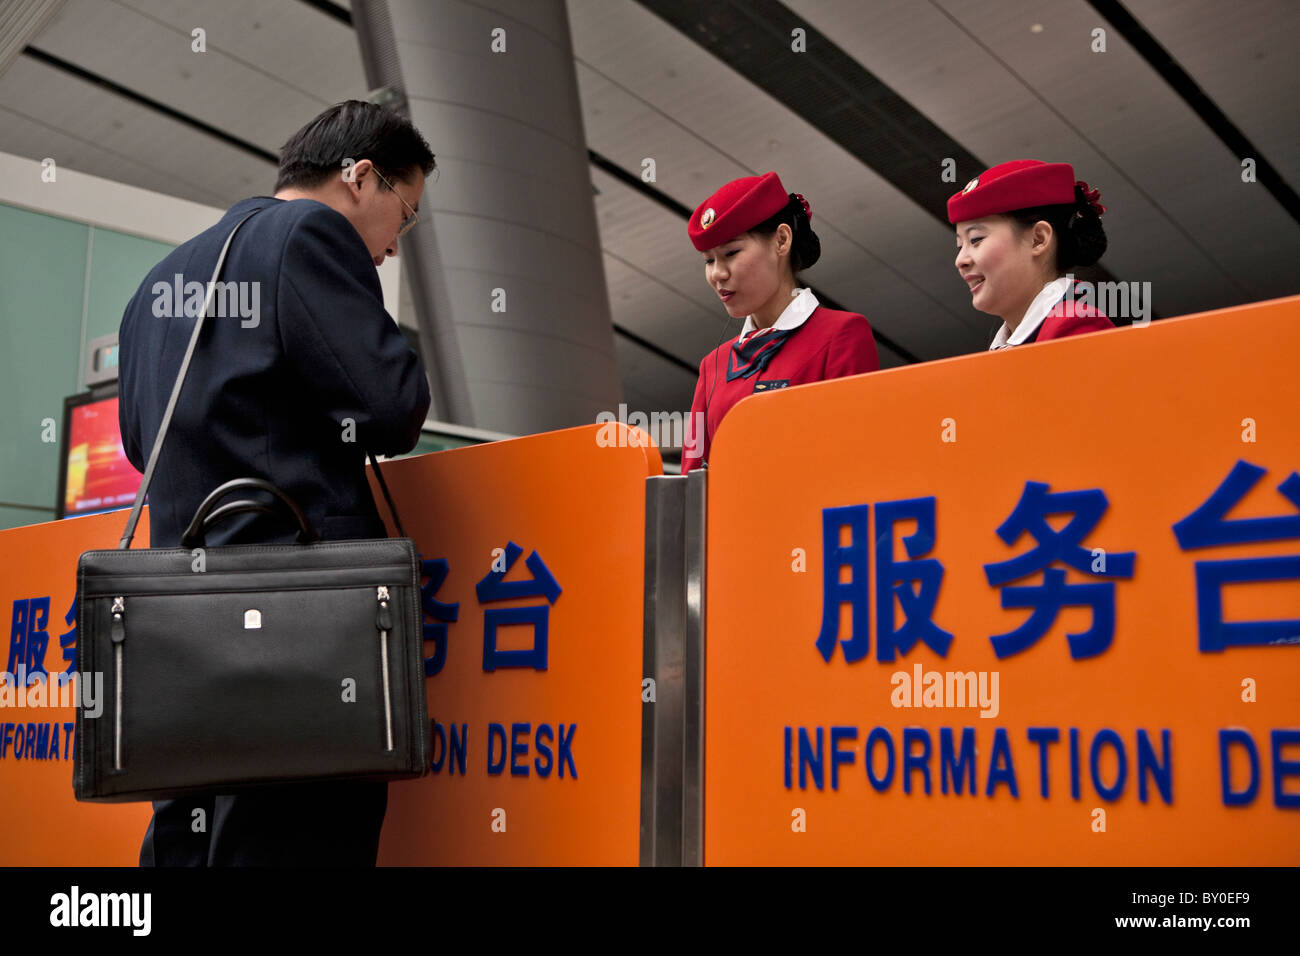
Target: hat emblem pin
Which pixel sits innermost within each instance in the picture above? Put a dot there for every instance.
(706, 220)
(971, 185)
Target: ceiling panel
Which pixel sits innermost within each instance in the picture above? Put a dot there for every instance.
(86, 128)
(1243, 56)
(267, 69)
(1177, 214)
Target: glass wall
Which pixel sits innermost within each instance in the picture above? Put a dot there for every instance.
(62, 284)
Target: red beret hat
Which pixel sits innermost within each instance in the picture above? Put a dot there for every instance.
(1019, 184)
(735, 208)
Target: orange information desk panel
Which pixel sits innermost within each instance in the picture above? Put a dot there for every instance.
(1039, 606)
(533, 560)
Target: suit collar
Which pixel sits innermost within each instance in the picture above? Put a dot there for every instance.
(1046, 300)
(802, 305)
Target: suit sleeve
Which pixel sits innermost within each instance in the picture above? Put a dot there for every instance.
(128, 415)
(337, 334)
(853, 349)
(697, 429)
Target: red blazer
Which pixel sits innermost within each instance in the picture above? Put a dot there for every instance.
(830, 344)
(1069, 317)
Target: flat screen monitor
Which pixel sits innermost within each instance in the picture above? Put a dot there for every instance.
(94, 473)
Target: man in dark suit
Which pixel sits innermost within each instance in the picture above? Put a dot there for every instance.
(303, 375)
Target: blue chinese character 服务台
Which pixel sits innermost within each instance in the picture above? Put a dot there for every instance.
(442, 613)
(1208, 526)
(1046, 600)
(28, 639)
(893, 578)
(493, 587)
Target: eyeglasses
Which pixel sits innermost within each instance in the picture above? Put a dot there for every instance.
(408, 221)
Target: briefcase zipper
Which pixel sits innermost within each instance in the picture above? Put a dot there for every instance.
(384, 623)
(118, 634)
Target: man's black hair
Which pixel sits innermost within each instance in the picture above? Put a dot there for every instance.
(353, 130)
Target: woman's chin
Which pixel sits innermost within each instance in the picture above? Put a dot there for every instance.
(980, 303)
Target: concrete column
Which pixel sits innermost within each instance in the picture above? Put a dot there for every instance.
(505, 265)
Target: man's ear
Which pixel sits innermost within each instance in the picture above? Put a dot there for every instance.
(356, 176)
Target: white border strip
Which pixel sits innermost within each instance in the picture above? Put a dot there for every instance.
(102, 202)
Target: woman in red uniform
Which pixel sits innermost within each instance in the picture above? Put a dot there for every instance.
(1021, 227)
(755, 238)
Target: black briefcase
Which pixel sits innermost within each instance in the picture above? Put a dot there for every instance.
(239, 666)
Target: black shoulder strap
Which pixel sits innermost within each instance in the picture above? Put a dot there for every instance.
(129, 532)
(383, 486)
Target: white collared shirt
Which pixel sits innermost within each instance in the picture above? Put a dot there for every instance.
(1043, 303)
(802, 304)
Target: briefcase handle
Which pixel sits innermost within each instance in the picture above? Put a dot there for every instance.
(205, 517)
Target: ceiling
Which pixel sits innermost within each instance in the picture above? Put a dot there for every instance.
(860, 123)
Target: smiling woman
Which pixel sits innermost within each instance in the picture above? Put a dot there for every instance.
(1020, 227)
(754, 238)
